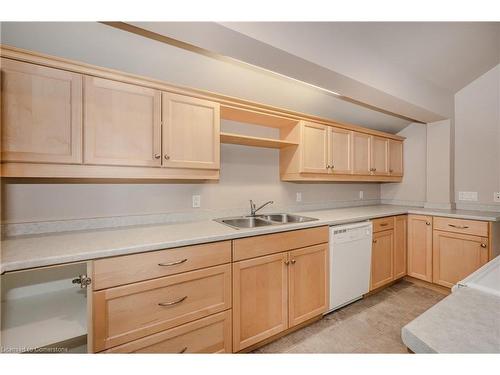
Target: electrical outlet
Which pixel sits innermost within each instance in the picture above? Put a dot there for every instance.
(196, 201)
(298, 197)
(361, 194)
(467, 196)
(496, 196)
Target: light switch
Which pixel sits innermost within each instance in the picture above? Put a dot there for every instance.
(298, 197)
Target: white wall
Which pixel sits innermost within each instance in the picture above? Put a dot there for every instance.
(477, 140)
(246, 173)
(412, 191)
(439, 163)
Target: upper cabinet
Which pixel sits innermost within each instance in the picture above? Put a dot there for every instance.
(379, 156)
(395, 158)
(340, 147)
(331, 153)
(314, 144)
(191, 129)
(122, 124)
(361, 145)
(41, 114)
(63, 119)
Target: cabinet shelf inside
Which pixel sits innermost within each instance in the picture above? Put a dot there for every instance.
(246, 140)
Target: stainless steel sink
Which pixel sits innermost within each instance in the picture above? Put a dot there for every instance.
(244, 222)
(262, 220)
(286, 218)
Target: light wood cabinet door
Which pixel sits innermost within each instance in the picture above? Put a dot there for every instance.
(41, 114)
(379, 155)
(308, 283)
(361, 146)
(340, 147)
(314, 148)
(122, 124)
(395, 158)
(400, 240)
(420, 247)
(382, 271)
(260, 299)
(455, 256)
(191, 132)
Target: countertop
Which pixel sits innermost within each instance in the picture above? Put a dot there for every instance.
(467, 321)
(50, 249)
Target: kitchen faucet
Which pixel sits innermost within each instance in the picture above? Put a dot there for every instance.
(254, 210)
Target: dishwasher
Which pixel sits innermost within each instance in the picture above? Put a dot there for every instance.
(350, 263)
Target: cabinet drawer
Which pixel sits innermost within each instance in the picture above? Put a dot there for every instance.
(208, 335)
(133, 311)
(474, 227)
(128, 269)
(384, 223)
(251, 247)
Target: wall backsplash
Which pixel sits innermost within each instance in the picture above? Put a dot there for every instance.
(246, 173)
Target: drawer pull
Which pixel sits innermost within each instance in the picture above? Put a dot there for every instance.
(458, 226)
(183, 350)
(166, 304)
(384, 224)
(483, 245)
(173, 263)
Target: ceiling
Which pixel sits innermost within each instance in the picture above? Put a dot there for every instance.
(408, 69)
(448, 55)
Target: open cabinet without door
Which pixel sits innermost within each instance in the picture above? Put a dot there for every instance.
(44, 311)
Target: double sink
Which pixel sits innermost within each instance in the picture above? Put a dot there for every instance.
(263, 220)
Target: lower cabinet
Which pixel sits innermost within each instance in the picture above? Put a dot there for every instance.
(382, 258)
(276, 292)
(455, 256)
(420, 247)
(133, 311)
(260, 298)
(388, 250)
(208, 335)
(308, 281)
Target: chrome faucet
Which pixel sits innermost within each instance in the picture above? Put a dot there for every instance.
(254, 210)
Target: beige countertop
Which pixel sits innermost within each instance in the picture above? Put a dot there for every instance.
(50, 249)
(467, 321)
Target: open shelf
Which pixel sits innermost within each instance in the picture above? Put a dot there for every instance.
(42, 307)
(246, 140)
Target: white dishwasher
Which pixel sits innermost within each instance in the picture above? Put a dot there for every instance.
(350, 262)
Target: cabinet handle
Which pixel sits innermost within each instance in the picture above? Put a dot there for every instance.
(427, 223)
(173, 263)
(157, 156)
(328, 167)
(458, 226)
(287, 262)
(167, 157)
(166, 304)
(374, 241)
(384, 224)
(391, 170)
(182, 350)
(293, 261)
(483, 245)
